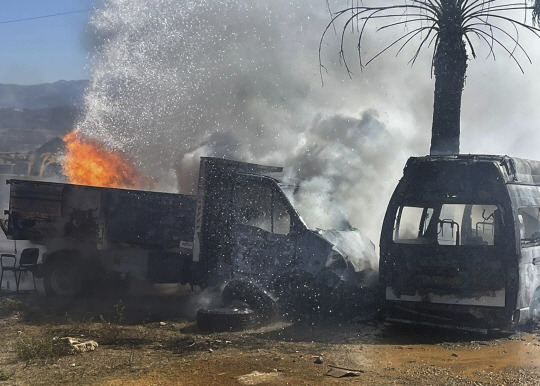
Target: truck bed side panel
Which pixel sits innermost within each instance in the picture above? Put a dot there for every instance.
(43, 211)
(153, 219)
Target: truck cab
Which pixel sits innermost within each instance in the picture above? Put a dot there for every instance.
(246, 228)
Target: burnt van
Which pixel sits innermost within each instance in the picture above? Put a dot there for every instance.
(460, 243)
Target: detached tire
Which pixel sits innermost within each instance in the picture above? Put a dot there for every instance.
(225, 319)
(255, 297)
(62, 278)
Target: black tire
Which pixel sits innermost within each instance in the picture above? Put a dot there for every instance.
(329, 293)
(255, 297)
(225, 319)
(295, 292)
(62, 278)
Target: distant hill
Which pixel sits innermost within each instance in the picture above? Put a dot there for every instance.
(25, 130)
(32, 115)
(42, 96)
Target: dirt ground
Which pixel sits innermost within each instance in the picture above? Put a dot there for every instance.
(153, 340)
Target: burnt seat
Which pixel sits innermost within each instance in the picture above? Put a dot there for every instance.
(27, 263)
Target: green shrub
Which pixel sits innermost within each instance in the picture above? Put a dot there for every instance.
(33, 348)
(3, 376)
(9, 306)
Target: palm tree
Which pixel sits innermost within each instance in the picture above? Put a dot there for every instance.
(448, 25)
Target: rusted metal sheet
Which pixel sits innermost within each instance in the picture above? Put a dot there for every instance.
(30, 201)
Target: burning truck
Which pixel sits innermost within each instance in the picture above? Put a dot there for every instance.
(240, 228)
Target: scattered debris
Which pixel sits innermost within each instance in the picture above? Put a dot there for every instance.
(342, 372)
(257, 377)
(318, 360)
(76, 346)
(518, 335)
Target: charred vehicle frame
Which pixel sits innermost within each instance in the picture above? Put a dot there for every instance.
(460, 243)
(240, 226)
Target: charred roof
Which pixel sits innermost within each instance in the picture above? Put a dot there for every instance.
(514, 170)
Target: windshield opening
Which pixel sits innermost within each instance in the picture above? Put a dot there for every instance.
(447, 224)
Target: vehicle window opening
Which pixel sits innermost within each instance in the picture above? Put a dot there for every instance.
(448, 224)
(262, 207)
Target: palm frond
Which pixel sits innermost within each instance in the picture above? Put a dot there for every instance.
(536, 11)
(487, 21)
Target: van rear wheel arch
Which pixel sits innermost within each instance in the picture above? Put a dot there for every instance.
(534, 307)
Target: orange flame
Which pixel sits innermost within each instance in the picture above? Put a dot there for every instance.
(87, 162)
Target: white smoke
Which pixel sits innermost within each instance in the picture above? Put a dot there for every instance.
(172, 81)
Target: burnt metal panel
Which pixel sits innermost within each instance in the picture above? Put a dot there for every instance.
(155, 220)
(419, 282)
(528, 279)
(524, 195)
(455, 273)
(259, 255)
(529, 276)
(33, 209)
(513, 170)
(213, 229)
(168, 267)
(43, 211)
(526, 171)
(35, 200)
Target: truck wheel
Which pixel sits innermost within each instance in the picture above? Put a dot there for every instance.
(295, 292)
(255, 297)
(62, 278)
(225, 319)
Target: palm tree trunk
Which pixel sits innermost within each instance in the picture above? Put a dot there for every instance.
(450, 64)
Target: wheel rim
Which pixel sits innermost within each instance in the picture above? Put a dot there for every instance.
(64, 280)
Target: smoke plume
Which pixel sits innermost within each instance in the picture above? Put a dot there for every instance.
(172, 81)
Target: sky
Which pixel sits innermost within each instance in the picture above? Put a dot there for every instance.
(46, 49)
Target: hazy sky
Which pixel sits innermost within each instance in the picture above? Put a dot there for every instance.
(43, 49)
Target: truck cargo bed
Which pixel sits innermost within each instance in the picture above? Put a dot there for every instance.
(44, 211)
